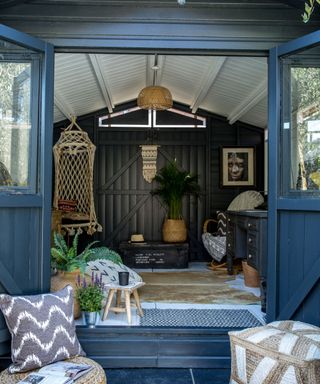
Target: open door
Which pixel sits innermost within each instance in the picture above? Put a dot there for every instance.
(26, 102)
(294, 181)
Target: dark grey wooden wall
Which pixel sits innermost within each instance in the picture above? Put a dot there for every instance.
(123, 201)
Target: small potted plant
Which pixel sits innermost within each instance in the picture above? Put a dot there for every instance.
(174, 184)
(90, 296)
(68, 263)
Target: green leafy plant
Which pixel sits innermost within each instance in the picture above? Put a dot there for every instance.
(66, 258)
(309, 7)
(174, 184)
(90, 295)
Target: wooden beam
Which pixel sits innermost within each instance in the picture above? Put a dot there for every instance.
(101, 80)
(63, 105)
(149, 71)
(207, 82)
(249, 102)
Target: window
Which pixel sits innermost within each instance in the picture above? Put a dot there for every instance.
(17, 141)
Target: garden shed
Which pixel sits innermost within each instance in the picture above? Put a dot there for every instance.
(235, 70)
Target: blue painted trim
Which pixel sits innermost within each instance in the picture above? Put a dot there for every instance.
(19, 199)
(33, 146)
(300, 203)
(260, 48)
(21, 38)
(300, 43)
(273, 162)
(46, 129)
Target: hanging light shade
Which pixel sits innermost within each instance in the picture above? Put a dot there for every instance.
(155, 97)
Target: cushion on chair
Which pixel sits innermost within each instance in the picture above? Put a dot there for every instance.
(282, 352)
(222, 223)
(42, 328)
(109, 271)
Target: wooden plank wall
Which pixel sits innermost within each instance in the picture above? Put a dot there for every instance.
(123, 201)
(299, 271)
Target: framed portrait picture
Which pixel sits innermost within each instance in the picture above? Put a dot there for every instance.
(237, 166)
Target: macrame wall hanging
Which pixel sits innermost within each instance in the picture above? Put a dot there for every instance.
(74, 158)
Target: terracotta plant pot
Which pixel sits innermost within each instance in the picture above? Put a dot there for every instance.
(60, 280)
(174, 231)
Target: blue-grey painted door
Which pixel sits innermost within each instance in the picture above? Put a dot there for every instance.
(26, 102)
(294, 181)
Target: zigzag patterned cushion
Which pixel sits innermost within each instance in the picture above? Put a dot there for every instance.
(222, 223)
(282, 352)
(42, 329)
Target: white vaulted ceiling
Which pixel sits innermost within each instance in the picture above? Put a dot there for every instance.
(233, 87)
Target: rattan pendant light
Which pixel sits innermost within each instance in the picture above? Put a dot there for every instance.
(155, 97)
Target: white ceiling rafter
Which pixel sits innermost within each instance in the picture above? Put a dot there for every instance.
(207, 82)
(149, 71)
(161, 63)
(63, 105)
(95, 61)
(259, 93)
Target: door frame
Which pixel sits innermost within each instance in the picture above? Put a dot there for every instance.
(276, 202)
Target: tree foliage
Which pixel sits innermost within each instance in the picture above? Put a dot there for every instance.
(309, 7)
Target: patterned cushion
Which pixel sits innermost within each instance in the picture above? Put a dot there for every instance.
(42, 328)
(109, 271)
(222, 223)
(282, 352)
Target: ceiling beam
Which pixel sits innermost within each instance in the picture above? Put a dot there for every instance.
(63, 105)
(101, 80)
(149, 71)
(156, 74)
(207, 82)
(259, 93)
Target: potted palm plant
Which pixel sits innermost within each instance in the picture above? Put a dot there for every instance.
(68, 263)
(174, 184)
(90, 296)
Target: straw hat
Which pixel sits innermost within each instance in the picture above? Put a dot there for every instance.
(137, 238)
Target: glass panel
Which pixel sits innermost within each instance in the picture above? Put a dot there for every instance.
(301, 127)
(15, 117)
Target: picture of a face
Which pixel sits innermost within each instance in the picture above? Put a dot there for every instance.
(237, 163)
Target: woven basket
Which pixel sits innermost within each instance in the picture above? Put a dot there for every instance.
(251, 276)
(95, 376)
(174, 231)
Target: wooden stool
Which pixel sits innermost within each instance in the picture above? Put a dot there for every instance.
(128, 290)
(95, 376)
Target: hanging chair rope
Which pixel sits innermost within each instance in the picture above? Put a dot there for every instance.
(73, 158)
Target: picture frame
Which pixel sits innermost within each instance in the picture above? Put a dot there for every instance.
(237, 166)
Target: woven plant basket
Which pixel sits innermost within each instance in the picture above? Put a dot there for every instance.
(60, 280)
(174, 231)
(251, 276)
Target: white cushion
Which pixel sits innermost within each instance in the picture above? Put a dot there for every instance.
(109, 271)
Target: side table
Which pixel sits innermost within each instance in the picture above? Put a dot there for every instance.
(127, 290)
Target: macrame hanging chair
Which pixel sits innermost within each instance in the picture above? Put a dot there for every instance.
(74, 158)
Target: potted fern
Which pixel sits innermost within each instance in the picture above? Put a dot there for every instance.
(174, 184)
(68, 263)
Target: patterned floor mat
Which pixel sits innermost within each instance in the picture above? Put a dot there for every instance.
(223, 318)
